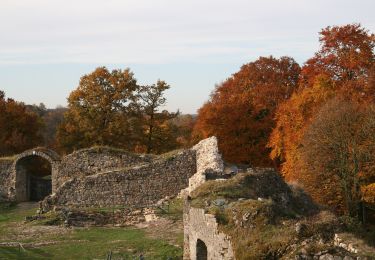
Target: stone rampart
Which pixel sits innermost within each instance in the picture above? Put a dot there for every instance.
(94, 160)
(108, 176)
(141, 185)
(5, 178)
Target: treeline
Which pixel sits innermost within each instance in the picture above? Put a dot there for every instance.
(107, 108)
(110, 108)
(316, 123)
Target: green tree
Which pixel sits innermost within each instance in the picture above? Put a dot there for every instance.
(158, 132)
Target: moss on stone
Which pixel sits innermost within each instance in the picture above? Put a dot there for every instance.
(259, 212)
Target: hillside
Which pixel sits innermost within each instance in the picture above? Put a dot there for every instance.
(268, 219)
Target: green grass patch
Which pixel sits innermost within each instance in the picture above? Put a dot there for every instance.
(96, 243)
(9, 212)
(172, 210)
(77, 243)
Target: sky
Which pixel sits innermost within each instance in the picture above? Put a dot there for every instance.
(47, 45)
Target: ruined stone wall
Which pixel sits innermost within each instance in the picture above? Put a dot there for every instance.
(208, 161)
(140, 185)
(91, 161)
(5, 178)
(201, 226)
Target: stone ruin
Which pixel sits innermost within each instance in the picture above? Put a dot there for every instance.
(106, 177)
(103, 176)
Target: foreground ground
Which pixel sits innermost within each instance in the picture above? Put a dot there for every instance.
(161, 239)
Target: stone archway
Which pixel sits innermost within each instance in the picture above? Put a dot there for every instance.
(201, 250)
(26, 185)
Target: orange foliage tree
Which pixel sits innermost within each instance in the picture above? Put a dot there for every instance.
(19, 128)
(240, 111)
(338, 153)
(341, 68)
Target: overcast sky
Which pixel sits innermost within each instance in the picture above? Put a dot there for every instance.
(47, 45)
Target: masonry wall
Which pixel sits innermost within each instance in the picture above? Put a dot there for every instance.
(140, 185)
(5, 179)
(198, 225)
(208, 161)
(91, 161)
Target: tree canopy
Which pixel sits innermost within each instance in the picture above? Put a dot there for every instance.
(342, 68)
(20, 129)
(240, 111)
(100, 111)
(110, 108)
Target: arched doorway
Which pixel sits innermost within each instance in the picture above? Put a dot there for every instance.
(201, 250)
(35, 171)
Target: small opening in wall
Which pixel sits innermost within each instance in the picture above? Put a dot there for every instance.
(201, 250)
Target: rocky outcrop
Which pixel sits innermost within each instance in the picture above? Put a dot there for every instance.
(256, 215)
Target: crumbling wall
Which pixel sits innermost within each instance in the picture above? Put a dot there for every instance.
(140, 185)
(208, 161)
(6, 178)
(94, 160)
(204, 227)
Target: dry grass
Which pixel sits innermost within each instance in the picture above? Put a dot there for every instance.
(260, 226)
(8, 158)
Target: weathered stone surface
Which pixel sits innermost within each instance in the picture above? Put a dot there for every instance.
(6, 178)
(142, 185)
(13, 186)
(202, 227)
(91, 161)
(73, 169)
(209, 161)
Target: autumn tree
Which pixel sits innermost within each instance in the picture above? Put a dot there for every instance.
(330, 68)
(52, 119)
(338, 152)
(346, 53)
(341, 68)
(240, 111)
(101, 111)
(19, 127)
(185, 124)
(157, 131)
(292, 118)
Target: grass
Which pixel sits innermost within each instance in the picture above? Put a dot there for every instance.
(251, 212)
(9, 212)
(173, 210)
(77, 243)
(96, 243)
(258, 236)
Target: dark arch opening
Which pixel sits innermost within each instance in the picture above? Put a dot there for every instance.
(201, 250)
(33, 178)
